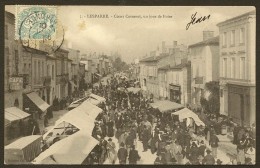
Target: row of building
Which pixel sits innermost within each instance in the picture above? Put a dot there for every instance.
(34, 73)
(179, 73)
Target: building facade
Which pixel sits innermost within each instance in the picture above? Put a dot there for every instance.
(149, 67)
(13, 70)
(204, 57)
(62, 76)
(237, 68)
(175, 83)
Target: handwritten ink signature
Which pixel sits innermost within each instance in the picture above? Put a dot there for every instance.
(194, 20)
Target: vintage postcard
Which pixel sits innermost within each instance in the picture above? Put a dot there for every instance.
(129, 85)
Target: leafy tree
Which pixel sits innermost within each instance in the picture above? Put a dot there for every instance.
(212, 103)
(120, 65)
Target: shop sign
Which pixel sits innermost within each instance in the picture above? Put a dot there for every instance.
(199, 80)
(16, 83)
(174, 87)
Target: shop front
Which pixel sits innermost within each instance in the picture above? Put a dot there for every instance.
(239, 104)
(175, 93)
(15, 124)
(36, 105)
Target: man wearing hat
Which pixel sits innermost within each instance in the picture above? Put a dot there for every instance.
(202, 148)
(208, 159)
(199, 161)
(122, 154)
(214, 144)
(133, 155)
(219, 162)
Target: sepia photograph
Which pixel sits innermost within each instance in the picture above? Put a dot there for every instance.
(129, 85)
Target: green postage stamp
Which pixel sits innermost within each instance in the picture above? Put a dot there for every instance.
(35, 22)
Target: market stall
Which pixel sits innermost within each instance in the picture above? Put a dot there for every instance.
(186, 113)
(95, 99)
(15, 123)
(23, 150)
(82, 117)
(134, 90)
(166, 106)
(72, 150)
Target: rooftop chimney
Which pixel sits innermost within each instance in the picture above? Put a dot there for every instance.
(163, 47)
(175, 43)
(207, 35)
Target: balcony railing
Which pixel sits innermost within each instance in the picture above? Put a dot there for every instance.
(198, 80)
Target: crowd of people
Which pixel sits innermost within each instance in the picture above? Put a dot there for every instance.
(129, 118)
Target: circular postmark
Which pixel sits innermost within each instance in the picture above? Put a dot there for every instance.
(36, 27)
(36, 23)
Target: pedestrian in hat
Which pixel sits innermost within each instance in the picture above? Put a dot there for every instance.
(209, 159)
(168, 152)
(133, 156)
(145, 139)
(214, 144)
(159, 160)
(178, 153)
(122, 154)
(219, 162)
(194, 152)
(202, 148)
(199, 160)
(111, 151)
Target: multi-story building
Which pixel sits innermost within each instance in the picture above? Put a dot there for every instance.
(88, 72)
(204, 57)
(71, 84)
(237, 68)
(148, 75)
(74, 55)
(149, 66)
(50, 79)
(81, 76)
(62, 77)
(13, 78)
(175, 83)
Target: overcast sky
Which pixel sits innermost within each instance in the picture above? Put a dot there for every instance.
(134, 38)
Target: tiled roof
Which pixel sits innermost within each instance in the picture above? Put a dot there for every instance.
(245, 14)
(36, 51)
(166, 67)
(213, 40)
(180, 66)
(152, 58)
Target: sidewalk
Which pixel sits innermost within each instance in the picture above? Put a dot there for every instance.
(56, 116)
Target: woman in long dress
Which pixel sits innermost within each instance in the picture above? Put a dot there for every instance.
(111, 151)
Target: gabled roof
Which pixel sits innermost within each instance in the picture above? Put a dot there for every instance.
(211, 41)
(166, 67)
(36, 51)
(236, 17)
(179, 66)
(152, 58)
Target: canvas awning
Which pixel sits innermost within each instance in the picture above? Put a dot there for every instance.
(93, 101)
(98, 74)
(23, 142)
(41, 104)
(166, 105)
(101, 99)
(72, 84)
(134, 90)
(71, 150)
(82, 117)
(187, 113)
(13, 114)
